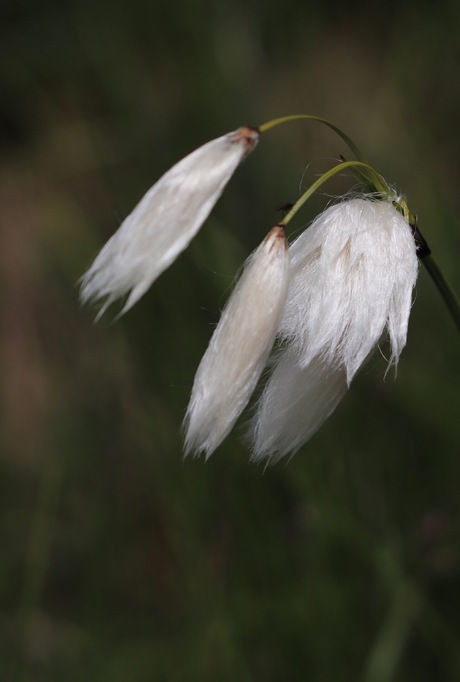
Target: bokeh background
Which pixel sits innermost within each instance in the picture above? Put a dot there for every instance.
(118, 560)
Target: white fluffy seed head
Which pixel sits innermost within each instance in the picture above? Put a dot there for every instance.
(239, 347)
(352, 276)
(295, 403)
(165, 221)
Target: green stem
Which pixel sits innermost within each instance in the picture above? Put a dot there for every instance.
(448, 294)
(297, 117)
(377, 181)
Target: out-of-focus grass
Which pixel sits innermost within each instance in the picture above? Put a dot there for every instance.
(119, 561)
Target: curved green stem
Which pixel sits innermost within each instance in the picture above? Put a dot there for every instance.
(375, 178)
(448, 294)
(298, 117)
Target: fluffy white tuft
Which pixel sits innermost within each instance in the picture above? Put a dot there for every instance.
(352, 276)
(294, 404)
(165, 221)
(239, 347)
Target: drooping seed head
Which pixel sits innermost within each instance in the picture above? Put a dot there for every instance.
(239, 347)
(165, 221)
(352, 276)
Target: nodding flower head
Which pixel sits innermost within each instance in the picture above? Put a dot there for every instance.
(165, 220)
(239, 347)
(352, 275)
(324, 303)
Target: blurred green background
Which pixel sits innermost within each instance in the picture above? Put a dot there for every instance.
(118, 560)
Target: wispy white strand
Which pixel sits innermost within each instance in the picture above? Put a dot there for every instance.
(352, 276)
(239, 347)
(165, 221)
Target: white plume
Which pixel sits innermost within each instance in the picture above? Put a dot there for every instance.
(294, 404)
(239, 347)
(165, 221)
(352, 276)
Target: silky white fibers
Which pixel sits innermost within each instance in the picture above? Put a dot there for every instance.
(294, 404)
(239, 347)
(352, 275)
(165, 220)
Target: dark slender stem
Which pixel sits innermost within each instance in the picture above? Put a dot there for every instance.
(443, 286)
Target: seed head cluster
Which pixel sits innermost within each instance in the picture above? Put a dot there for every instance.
(302, 318)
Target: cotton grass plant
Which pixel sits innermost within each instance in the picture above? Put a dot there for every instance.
(307, 316)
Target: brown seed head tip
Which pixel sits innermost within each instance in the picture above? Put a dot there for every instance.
(276, 238)
(248, 135)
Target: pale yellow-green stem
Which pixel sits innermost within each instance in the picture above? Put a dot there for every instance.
(374, 177)
(309, 117)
